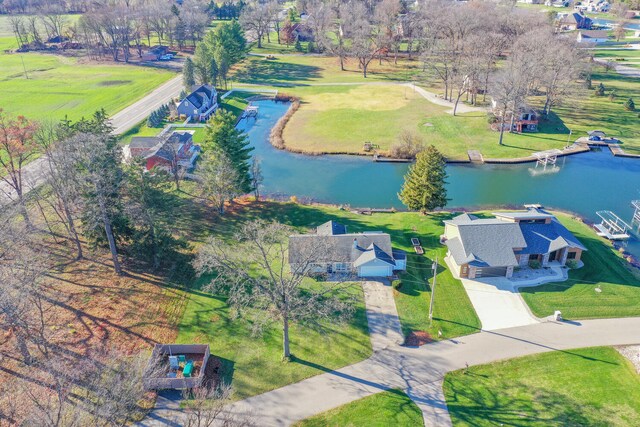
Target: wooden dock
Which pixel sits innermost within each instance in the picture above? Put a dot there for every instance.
(475, 156)
(379, 159)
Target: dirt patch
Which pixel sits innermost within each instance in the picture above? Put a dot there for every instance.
(114, 82)
(418, 338)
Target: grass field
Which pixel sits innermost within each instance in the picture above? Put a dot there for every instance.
(389, 408)
(252, 363)
(585, 387)
(339, 119)
(59, 86)
(577, 298)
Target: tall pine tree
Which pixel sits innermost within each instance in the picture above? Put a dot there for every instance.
(188, 74)
(223, 137)
(424, 186)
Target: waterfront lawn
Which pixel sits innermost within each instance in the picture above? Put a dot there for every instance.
(577, 298)
(60, 86)
(389, 408)
(592, 386)
(592, 112)
(141, 129)
(339, 119)
(453, 313)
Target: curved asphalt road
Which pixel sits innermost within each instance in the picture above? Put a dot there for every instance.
(122, 121)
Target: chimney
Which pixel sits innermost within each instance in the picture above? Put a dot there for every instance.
(355, 243)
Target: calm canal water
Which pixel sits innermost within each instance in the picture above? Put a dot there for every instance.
(583, 184)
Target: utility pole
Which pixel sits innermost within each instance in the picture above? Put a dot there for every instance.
(434, 267)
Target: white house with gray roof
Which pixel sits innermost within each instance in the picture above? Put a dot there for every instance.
(200, 104)
(332, 250)
(493, 247)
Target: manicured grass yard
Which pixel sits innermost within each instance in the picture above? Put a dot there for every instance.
(577, 297)
(339, 119)
(60, 86)
(584, 387)
(253, 362)
(389, 408)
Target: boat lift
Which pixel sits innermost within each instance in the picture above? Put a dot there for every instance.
(636, 211)
(612, 226)
(547, 157)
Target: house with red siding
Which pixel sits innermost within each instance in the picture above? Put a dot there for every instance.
(176, 151)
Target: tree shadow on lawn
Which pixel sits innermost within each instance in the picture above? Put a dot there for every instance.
(475, 402)
(270, 72)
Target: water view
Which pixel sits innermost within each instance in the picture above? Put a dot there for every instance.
(583, 183)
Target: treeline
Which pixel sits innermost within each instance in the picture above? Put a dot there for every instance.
(120, 28)
(462, 46)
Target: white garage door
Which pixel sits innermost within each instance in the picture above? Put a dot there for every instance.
(371, 271)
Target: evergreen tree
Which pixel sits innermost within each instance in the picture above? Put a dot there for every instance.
(298, 46)
(424, 186)
(188, 74)
(224, 138)
(151, 210)
(630, 105)
(213, 72)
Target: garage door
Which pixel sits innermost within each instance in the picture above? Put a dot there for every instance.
(491, 272)
(371, 271)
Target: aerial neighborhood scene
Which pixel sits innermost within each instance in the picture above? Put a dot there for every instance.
(319, 213)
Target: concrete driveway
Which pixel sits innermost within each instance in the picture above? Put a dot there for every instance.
(497, 303)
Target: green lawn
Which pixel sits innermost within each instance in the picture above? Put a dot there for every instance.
(585, 387)
(389, 408)
(339, 119)
(253, 362)
(577, 297)
(303, 69)
(59, 86)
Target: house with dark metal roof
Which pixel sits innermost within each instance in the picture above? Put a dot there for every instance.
(200, 104)
(332, 250)
(495, 246)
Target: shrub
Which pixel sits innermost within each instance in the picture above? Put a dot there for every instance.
(311, 47)
(275, 137)
(298, 46)
(408, 146)
(572, 264)
(612, 96)
(600, 90)
(630, 105)
(535, 264)
(492, 118)
(396, 284)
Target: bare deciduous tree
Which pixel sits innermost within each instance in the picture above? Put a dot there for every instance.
(217, 180)
(255, 273)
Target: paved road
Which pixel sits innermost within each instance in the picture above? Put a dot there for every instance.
(418, 371)
(122, 121)
(622, 69)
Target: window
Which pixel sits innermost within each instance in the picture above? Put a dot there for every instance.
(341, 266)
(571, 255)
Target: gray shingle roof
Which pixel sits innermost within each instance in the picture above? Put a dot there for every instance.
(543, 238)
(373, 252)
(146, 142)
(338, 248)
(331, 228)
(489, 243)
(197, 97)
